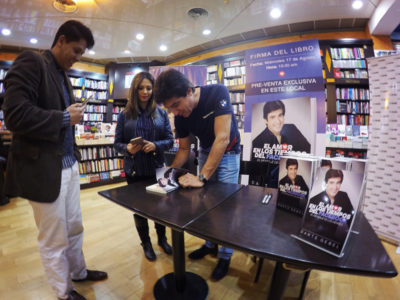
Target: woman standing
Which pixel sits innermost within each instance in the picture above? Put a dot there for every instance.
(143, 118)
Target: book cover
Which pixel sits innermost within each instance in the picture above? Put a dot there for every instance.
(167, 180)
(341, 130)
(356, 130)
(349, 130)
(340, 163)
(295, 178)
(364, 131)
(331, 210)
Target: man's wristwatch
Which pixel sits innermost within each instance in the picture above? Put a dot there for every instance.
(202, 178)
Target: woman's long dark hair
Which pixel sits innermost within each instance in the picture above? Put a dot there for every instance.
(132, 109)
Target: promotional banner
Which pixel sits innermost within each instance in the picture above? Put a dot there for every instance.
(285, 106)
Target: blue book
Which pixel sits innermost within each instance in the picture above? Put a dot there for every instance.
(356, 130)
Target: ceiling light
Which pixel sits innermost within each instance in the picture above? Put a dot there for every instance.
(206, 31)
(197, 12)
(91, 52)
(66, 6)
(33, 41)
(5, 31)
(357, 4)
(127, 51)
(163, 48)
(140, 36)
(275, 13)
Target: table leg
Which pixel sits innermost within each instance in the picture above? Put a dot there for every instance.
(178, 244)
(180, 285)
(279, 281)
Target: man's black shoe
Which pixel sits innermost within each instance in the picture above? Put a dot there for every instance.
(164, 245)
(92, 276)
(203, 251)
(148, 251)
(74, 295)
(221, 269)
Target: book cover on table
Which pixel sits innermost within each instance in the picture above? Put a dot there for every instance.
(167, 180)
(295, 178)
(331, 210)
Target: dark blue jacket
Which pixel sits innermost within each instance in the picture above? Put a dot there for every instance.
(162, 137)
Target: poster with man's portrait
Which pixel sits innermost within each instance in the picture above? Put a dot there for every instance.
(279, 127)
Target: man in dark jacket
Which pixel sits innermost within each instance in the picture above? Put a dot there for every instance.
(40, 111)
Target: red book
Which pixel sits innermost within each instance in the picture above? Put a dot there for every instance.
(336, 73)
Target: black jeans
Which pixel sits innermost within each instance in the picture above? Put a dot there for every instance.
(141, 223)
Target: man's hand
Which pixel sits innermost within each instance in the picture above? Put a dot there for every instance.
(133, 148)
(190, 180)
(75, 113)
(148, 146)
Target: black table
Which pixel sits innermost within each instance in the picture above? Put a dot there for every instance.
(244, 223)
(176, 210)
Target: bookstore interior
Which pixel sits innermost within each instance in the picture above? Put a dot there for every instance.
(313, 89)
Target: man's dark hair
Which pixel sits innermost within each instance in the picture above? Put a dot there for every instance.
(291, 162)
(74, 31)
(273, 105)
(326, 163)
(171, 83)
(333, 173)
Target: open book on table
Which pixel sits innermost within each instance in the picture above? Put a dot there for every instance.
(167, 180)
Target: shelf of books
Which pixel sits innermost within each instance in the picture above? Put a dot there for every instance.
(234, 80)
(117, 107)
(4, 66)
(212, 74)
(100, 164)
(347, 89)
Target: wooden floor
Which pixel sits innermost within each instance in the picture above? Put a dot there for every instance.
(111, 244)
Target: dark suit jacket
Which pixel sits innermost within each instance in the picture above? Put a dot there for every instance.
(33, 111)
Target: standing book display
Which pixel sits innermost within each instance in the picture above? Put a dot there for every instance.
(331, 210)
(295, 178)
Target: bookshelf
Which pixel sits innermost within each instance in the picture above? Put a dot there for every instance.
(212, 74)
(347, 93)
(230, 71)
(100, 164)
(4, 66)
(117, 107)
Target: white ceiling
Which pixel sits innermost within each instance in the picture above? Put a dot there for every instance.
(115, 23)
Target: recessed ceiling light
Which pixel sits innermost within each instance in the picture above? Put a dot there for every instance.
(163, 48)
(127, 51)
(66, 6)
(91, 52)
(140, 36)
(33, 41)
(206, 31)
(5, 31)
(275, 13)
(357, 4)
